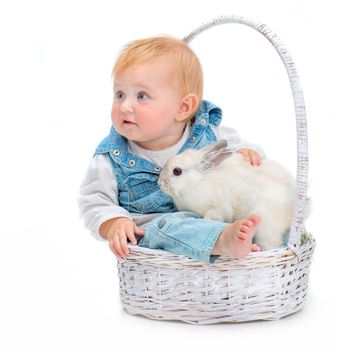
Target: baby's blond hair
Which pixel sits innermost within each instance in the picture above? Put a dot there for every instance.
(183, 63)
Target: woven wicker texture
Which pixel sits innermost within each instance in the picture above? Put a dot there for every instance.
(267, 285)
(264, 286)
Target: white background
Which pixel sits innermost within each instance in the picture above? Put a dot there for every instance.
(59, 287)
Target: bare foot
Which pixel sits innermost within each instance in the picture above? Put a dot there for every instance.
(236, 239)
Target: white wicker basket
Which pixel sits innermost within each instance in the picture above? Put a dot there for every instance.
(264, 286)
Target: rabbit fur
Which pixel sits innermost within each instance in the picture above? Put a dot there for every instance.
(221, 185)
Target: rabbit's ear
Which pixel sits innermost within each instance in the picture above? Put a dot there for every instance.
(214, 154)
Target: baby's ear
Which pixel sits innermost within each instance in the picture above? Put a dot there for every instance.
(187, 107)
(214, 154)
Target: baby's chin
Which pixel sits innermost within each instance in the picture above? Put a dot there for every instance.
(129, 131)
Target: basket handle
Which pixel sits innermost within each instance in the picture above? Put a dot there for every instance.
(297, 225)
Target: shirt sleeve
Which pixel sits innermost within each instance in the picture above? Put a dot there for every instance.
(98, 195)
(234, 141)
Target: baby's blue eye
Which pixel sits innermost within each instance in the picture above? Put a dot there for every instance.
(142, 96)
(119, 95)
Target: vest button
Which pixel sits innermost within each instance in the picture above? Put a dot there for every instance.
(116, 152)
(202, 121)
(132, 162)
(193, 138)
(157, 168)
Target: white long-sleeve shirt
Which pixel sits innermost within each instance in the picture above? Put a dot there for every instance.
(98, 196)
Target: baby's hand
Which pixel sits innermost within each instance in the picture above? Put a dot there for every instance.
(251, 156)
(118, 230)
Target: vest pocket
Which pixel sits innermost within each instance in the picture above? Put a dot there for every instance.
(140, 193)
(139, 185)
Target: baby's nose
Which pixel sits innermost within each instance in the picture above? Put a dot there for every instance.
(126, 106)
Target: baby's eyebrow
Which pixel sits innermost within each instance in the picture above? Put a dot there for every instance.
(142, 86)
(137, 86)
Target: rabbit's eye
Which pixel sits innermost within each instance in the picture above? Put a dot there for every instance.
(177, 171)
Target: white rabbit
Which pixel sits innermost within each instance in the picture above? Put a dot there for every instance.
(220, 185)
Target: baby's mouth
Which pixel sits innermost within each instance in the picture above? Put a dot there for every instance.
(128, 122)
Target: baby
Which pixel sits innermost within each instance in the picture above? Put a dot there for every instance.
(158, 112)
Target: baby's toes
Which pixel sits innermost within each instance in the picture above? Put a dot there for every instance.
(255, 248)
(245, 228)
(243, 235)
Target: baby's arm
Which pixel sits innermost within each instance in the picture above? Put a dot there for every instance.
(251, 152)
(99, 208)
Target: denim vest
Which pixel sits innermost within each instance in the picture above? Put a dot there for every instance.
(138, 190)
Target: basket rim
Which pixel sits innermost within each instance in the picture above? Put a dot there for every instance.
(162, 258)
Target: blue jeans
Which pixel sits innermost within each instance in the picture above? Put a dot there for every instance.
(184, 233)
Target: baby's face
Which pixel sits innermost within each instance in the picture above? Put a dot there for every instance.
(146, 105)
